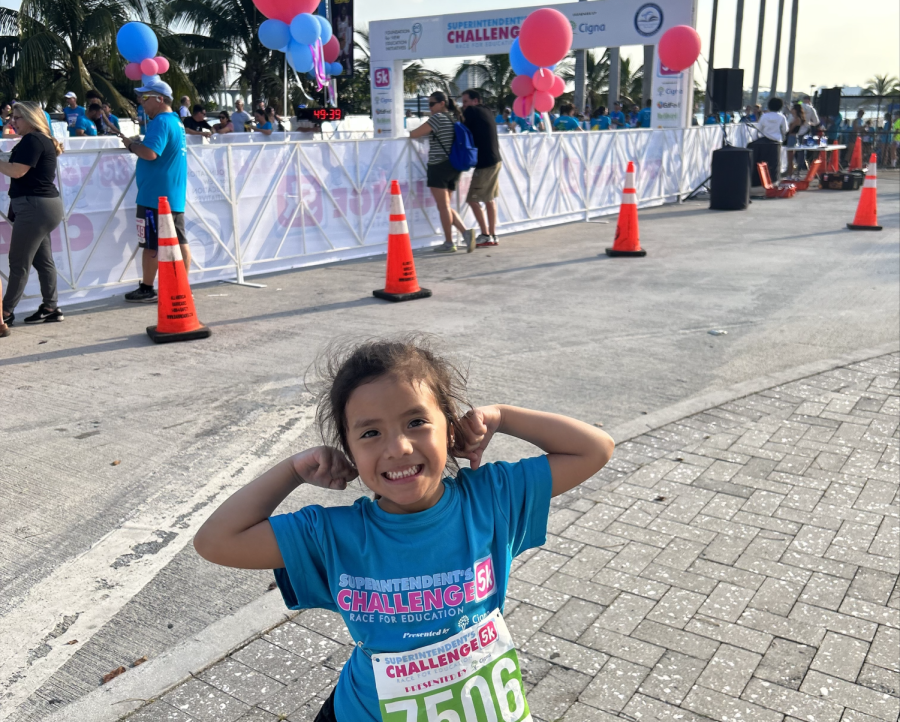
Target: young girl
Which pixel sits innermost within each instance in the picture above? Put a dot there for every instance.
(419, 573)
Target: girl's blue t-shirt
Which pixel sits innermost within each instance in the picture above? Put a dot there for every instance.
(404, 581)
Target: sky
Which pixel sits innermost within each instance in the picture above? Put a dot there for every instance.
(836, 44)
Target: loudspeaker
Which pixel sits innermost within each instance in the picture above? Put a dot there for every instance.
(828, 102)
(729, 185)
(727, 89)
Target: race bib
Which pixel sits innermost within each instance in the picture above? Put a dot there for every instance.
(473, 676)
(142, 229)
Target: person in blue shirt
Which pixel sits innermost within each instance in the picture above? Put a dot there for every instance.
(536, 123)
(430, 554)
(617, 117)
(142, 118)
(263, 124)
(503, 118)
(83, 126)
(161, 171)
(108, 115)
(600, 120)
(645, 116)
(565, 121)
(73, 111)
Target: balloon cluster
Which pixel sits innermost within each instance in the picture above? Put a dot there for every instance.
(544, 39)
(139, 45)
(306, 39)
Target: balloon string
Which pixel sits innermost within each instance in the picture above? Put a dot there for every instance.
(319, 64)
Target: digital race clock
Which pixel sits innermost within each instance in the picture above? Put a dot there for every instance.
(320, 115)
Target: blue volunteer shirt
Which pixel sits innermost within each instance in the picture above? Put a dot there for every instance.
(72, 115)
(601, 123)
(167, 175)
(644, 117)
(85, 124)
(523, 122)
(499, 119)
(404, 581)
(566, 122)
(619, 117)
(115, 121)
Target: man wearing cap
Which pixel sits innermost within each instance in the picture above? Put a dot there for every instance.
(161, 171)
(72, 111)
(617, 117)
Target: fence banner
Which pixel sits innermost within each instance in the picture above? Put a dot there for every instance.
(262, 207)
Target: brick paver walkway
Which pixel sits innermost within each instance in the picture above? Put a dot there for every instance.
(739, 564)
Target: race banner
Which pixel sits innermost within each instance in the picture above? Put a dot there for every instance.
(469, 677)
(342, 23)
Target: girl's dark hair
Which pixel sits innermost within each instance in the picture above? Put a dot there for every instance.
(345, 367)
(451, 106)
(798, 109)
(225, 114)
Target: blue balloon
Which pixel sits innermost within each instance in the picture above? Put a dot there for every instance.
(137, 42)
(520, 64)
(300, 57)
(305, 29)
(335, 69)
(274, 34)
(325, 31)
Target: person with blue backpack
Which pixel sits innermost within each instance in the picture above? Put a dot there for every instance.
(450, 152)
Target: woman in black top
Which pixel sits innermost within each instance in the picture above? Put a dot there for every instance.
(796, 121)
(35, 210)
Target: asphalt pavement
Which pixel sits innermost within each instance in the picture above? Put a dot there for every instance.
(115, 449)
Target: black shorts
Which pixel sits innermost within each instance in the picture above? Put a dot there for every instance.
(326, 714)
(148, 225)
(443, 175)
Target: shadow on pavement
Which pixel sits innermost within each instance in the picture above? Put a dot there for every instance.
(301, 311)
(116, 344)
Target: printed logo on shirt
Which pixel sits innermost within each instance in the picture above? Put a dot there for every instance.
(428, 597)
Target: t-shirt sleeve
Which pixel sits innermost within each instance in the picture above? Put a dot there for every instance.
(304, 579)
(27, 152)
(522, 493)
(156, 137)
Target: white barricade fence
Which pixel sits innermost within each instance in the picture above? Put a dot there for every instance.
(256, 206)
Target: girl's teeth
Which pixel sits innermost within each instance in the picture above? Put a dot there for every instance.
(402, 474)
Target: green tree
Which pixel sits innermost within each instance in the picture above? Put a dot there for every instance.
(9, 50)
(493, 77)
(882, 85)
(596, 81)
(631, 83)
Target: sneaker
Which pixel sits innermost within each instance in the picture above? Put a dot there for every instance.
(470, 240)
(45, 315)
(8, 320)
(487, 241)
(143, 294)
(445, 248)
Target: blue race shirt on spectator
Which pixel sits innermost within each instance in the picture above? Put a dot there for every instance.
(83, 123)
(644, 117)
(167, 175)
(523, 123)
(619, 117)
(72, 115)
(601, 123)
(499, 119)
(115, 121)
(566, 122)
(264, 126)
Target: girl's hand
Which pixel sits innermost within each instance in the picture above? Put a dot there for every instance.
(324, 466)
(479, 426)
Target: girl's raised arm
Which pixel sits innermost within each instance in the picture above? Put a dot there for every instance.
(238, 533)
(576, 451)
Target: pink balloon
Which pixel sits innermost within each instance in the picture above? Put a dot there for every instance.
(543, 101)
(133, 71)
(331, 49)
(542, 80)
(149, 67)
(558, 87)
(522, 106)
(679, 47)
(545, 37)
(522, 85)
(162, 65)
(285, 10)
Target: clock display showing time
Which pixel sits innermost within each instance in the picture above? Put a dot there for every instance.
(320, 115)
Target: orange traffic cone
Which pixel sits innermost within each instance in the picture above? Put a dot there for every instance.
(867, 211)
(627, 242)
(856, 157)
(177, 317)
(834, 163)
(400, 284)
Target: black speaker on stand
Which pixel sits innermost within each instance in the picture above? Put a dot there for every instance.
(727, 89)
(729, 187)
(828, 102)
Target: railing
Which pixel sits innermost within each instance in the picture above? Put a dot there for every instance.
(257, 207)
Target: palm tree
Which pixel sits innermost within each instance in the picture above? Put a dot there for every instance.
(419, 79)
(223, 36)
(70, 45)
(354, 92)
(9, 50)
(882, 85)
(596, 81)
(631, 84)
(493, 76)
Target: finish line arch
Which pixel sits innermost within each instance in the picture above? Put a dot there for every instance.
(596, 23)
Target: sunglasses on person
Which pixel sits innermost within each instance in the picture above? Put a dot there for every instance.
(432, 103)
(150, 97)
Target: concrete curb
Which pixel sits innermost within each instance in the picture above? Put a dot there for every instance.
(192, 656)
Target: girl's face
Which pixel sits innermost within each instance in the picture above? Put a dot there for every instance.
(397, 436)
